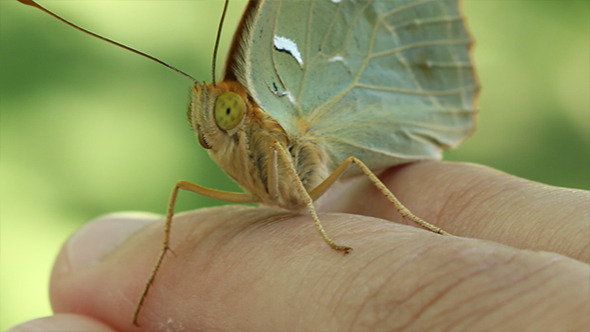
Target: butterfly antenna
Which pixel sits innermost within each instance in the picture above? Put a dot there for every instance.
(36, 5)
(217, 41)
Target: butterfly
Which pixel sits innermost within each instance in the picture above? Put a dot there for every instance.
(312, 89)
(375, 83)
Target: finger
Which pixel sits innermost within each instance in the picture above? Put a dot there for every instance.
(240, 268)
(62, 323)
(476, 201)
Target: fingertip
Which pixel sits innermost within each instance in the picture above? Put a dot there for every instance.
(98, 237)
(78, 275)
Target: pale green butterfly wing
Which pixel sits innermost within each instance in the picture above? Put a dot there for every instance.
(385, 81)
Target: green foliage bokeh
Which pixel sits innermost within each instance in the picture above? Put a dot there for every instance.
(87, 128)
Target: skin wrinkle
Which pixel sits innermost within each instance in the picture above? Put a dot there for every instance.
(464, 257)
(326, 273)
(486, 268)
(301, 284)
(237, 290)
(199, 236)
(354, 279)
(580, 325)
(465, 302)
(307, 269)
(503, 200)
(373, 295)
(253, 225)
(467, 201)
(340, 295)
(532, 272)
(464, 207)
(204, 229)
(293, 297)
(484, 196)
(421, 286)
(457, 200)
(454, 287)
(474, 199)
(485, 311)
(544, 280)
(275, 225)
(508, 315)
(228, 239)
(325, 293)
(499, 306)
(300, 235)
(449, 203)
(584, 252)
(281, 299)
(569, 247)
(268, 224)
(443, 294)
(539, 234)
(513, 316)
(399, 303)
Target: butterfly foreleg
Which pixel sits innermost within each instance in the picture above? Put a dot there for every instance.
(280, 155)
(405, 212)
(185, 185)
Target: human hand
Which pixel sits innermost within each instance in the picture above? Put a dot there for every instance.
(520, 262)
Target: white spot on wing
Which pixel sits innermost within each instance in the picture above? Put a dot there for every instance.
(289, 46)
(290, 97)
(335, 58)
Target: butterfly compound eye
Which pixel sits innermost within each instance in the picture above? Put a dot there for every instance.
(229, 110)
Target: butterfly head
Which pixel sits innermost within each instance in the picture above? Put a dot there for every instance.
(217, 113)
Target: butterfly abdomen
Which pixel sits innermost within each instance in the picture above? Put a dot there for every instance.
(310, 161)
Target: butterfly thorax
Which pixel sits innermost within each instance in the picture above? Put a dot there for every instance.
(247, 146)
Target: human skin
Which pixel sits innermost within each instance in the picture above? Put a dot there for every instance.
(519, 262)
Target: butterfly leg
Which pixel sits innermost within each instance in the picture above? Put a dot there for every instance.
(405, 212)
(279, 151)
(185, 185)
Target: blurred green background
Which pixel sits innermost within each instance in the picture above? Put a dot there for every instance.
(87, 128)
